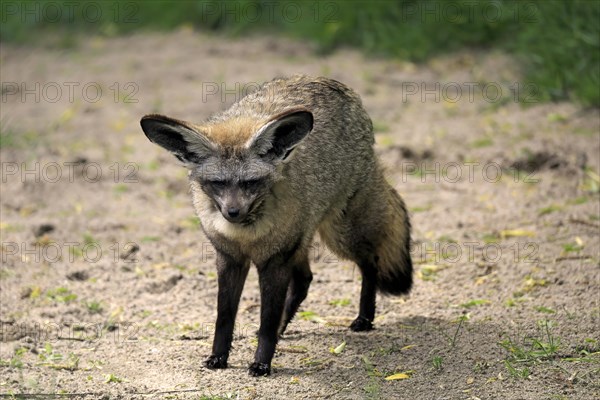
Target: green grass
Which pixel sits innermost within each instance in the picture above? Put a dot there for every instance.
(572, 247)
(17, 359)
(50, 358)
(17, 140)
(88, 239)
(61, 295)
(372, 387)
(218, 397)
(550, 209)
(546, 310)
(340, 302)
(459, 323)
(557, 42)
(531, 350)
(112, 378)
(475, 303)
(120, 188)
(483, 142)
(94, 307)
(437, 362)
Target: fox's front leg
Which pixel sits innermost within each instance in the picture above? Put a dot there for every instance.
(274, 278)
(232, 275)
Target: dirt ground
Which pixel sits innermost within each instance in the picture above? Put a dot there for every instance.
(108, 286)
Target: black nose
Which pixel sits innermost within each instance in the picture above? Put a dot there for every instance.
(233, 212)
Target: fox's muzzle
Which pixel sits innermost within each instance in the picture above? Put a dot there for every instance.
(232, 205)
(234, 214)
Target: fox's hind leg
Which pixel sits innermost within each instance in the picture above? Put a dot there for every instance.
(345, 235)
(373, 230)
(297, 291)
(366, 313)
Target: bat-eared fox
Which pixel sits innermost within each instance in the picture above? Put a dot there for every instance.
(293, 158)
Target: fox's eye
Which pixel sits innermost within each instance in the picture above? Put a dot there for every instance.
(250, 184)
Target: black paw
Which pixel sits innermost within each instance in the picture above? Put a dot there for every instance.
(282, 329)
(216, 362)
(259, 369)
(361, 324)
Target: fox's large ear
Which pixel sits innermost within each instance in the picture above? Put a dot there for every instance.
(178, 137)
(277, 138)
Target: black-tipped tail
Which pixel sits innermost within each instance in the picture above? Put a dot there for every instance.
(394, 265)
(397, 278)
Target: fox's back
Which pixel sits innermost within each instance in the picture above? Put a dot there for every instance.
(333, 104)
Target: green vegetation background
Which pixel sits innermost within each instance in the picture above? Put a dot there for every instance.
(557, 42)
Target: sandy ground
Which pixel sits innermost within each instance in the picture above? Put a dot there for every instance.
(108, 286)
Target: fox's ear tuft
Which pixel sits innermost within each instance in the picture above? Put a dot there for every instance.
(178, 137)
(278, 137)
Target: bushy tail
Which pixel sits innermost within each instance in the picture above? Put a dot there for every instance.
(394, 264)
